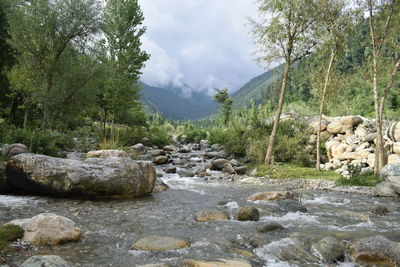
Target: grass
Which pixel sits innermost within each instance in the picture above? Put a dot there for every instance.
(358, 180)
(9, 233)
(292, 171)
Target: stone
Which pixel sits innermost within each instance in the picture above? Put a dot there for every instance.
(395, 182)
(46, 261)
(93, 178)
(328, 250)
(14, 149)
(384, 189)
(218, 164)
(216, 147)
(107, 153)
(211, 155)
(335, 127)
(139, 148)
(324, 125)
(48, 229)
(216, 263)
(204, 144)
(396, 148)
(361, 132)
(211, 215)
(355, 155)
(240, 170)
(184, 149)
(185, 173)
(161, 160)
(248, 213)
(180, 162)
(154, 265)
(371, 160)
(370, 137)
(375, 251)
(380, 210)
(234, 162)
(335, 149)
(289, 205)
(146, 157)
(157, 152)
(352, 121)
(169, 148)
(390, 170)
(393, 132)
(160, 186)
(269, 227)
(393, 158)
(273, 196)
(352, 139)
(160, 243)
(228, 168)
(170, 169)
(325, 135)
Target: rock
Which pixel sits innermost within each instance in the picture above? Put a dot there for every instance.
(223, 154)
(107, 153)
(14, 149)
(228, 168)
(273, 196)
(169, 148)
(139, 148)
(335, 127)
(325, 135)
(396, 148)
(289, 205)
(393, 132)
(180, 162)
(328, 250)
(211, 155)
(324, 125)
(361, 132)
(185, 173)
(217, 263)
(395, 182)
(160, 243)
(48, 229)
(157, 152)
(170, 169)
(218, 164)
(146, 157)
(352, 139)
(216, 147)
(161, 160)
(240, 170)
(335, 149)
(234, 162)
(384, 189)
(93, 178)
(248, 213)
(352, 121)
(370, 137)
(211, 215)
(355, 155)
(204, 144)
(375, 251)
(380, 210)
(160, 186)
(269, 227)
(46, 261)
(393, 158)
(155, 265)
(390, 170)
(184, 149)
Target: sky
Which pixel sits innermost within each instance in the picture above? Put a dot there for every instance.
(199, 44)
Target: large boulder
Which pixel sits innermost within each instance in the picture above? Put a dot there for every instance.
(336, 149)
(160, 243)
(48, 229)
(139, 149)
(218, 164)
(375, 251)
(390, 170)
(14, 149)
(93, 178)
(274, 196)
(211, 215)
(335, 127)
(324, 125)
(160, 160)
(393, 159)
(328, 249)
(352, 121)
(216, 263)
(393, 132)
(385, 189)
(248, 213)
(157, 152)
(160, 186)
(46, 261)
(107, 153)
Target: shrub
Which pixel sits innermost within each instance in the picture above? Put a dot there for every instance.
(356, 179)
(158, 137)
(233, 139)
(9, 233)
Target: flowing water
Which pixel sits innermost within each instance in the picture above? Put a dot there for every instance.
(111, 227)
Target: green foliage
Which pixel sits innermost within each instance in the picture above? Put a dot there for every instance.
(158, 137)
(9, 233)
(193, 134)
(356, 179)
(222, 97)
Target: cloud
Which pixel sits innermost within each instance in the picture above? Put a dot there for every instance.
(199, 44)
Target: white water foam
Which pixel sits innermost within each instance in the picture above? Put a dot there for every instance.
(13, 201)
(326, 200)
(302, 218)
(268, 252)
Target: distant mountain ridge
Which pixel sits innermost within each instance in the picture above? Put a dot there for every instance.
(170, 102)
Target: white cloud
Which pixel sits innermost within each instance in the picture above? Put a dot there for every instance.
(203, 44)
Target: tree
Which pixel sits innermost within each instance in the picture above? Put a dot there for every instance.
(41, 31)
(121, 54)
(334, 23)
(222, 97)
(384, 21)
(285, 32)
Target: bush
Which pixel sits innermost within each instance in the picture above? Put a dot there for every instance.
(158, 137)
(9, 233)
(356, 179)
(233, 139)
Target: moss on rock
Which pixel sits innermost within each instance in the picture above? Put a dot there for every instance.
(9, 233)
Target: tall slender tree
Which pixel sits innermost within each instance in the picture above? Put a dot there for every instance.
(285, 31)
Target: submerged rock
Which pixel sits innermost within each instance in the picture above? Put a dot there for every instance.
(185, 173)
(248, 213)
(329, 250)
(170, 169)
(380, 210)
(375, 251)
(216, 263)
(273, 196)
(269, 227)
(46, 261)
(211, 215)
(93, 178)
(160, 186)
(160, 243)
(48, 229)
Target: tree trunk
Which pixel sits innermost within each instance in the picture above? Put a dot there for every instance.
(321, 108)
(271, 143)
(26, 116)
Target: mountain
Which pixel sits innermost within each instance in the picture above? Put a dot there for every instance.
(170, 102)
(256, 88)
